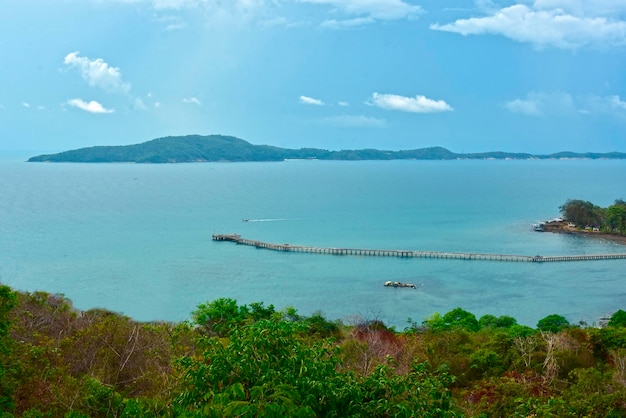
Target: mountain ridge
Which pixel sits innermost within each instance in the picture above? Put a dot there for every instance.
(223, 148)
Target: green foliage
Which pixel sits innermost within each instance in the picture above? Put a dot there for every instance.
(320, 326)
(618, 319)
(455, 319)
(260, 369)
(268, 369)
(258, 311)
(194, 148)
(552, 323)
(8, 301)
(487, 362)
(595, 394)
(490, 321)
(603, 341)
(616, 218)
(221, 316)
(520, 331)
(582, 213)
(461, 319)
(254, 361)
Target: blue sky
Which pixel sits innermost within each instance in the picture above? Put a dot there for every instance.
(530, 76)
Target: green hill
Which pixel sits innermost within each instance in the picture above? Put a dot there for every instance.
(198, 148)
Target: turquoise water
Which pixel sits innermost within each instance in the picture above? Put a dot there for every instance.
(137, 238)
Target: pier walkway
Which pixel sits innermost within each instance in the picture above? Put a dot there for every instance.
(413, 254)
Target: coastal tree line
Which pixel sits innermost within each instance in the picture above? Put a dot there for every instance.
(254, 360)
(586, 214)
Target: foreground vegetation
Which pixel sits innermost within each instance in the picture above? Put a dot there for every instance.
(251, 360)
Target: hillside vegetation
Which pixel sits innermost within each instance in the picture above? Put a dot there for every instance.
(252, 360)
(197, 148)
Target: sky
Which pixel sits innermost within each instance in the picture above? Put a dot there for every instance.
(537, 76)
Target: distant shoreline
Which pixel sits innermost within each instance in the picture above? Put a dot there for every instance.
(562, 228)
(221, 148)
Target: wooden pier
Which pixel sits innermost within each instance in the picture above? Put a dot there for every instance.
(412, 254)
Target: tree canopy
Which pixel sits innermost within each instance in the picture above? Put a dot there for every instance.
(584, 213)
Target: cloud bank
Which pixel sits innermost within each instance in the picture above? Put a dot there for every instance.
(566, 24)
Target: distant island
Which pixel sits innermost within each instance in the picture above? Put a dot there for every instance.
(215, 148)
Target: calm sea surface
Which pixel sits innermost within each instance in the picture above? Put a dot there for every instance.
(136, 239)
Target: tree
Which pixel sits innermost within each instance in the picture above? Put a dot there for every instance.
(8, 301)
(459, 318)
(221, 315)
(271, 368)
(265, 368)
(552, 323)
(618, 319)
(582, 213)
(616, 218)
(490, 321)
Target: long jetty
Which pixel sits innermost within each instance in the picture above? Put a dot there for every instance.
(412, 254)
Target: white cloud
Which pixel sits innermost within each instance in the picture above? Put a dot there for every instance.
(584, 7)
(97, 73)
(172, 23)
(544, 24)
(26, 104)
(611, 105)
(375, 9)
(342, 103)
(417, 104)
(311, 101)
(541, 104)
(192, 100)
(175, 4)
(564, 104)
(525, 106)
(348, 23)
(346, 13)
(355, 121)
(617, 103)
(163, 4)
(139, 104)
(91, 107)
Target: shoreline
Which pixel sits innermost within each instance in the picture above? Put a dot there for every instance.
(562, 228)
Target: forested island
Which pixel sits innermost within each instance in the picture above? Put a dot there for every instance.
(253, 360)
(213, 148)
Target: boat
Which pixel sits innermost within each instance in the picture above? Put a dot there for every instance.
(539, 227)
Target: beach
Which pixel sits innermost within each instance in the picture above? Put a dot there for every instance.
(563, 228)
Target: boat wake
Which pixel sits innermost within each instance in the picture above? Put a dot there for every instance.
(269, 220)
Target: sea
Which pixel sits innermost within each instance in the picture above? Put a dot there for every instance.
(137, 238)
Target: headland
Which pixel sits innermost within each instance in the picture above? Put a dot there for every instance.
(563, 227)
